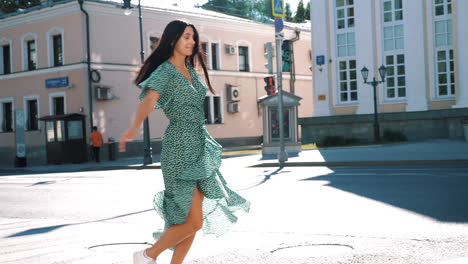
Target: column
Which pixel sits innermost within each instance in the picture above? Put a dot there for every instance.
(320, 47)
(365, 51)
(460, 44)
(415, 57)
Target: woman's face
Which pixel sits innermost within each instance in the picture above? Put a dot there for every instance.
(186, 43)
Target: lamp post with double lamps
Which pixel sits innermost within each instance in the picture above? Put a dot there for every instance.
(146, 131)
(374, 83)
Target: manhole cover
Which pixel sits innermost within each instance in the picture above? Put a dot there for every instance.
(314, 250)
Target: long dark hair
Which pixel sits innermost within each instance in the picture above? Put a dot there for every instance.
(165, 50)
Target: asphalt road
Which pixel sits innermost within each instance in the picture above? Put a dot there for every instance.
(374, 214)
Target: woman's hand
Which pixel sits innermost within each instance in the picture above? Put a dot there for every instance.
(127, 136)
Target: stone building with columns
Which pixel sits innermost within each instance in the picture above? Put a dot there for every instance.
(422, 44)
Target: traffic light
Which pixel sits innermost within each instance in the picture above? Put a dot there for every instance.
(268, 47)
(286, 50)
(270, 85)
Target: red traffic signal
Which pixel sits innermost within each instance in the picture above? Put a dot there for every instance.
(270, 85)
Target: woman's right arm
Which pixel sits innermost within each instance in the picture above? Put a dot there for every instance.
(144, 109)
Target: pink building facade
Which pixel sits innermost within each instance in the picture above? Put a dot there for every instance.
(44, 72)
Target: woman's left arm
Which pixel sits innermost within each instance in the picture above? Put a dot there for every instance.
(144, 109)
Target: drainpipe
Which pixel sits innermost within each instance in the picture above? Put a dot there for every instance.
(292, 80)
(88, 62)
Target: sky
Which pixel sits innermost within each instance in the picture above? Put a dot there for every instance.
(293, 3)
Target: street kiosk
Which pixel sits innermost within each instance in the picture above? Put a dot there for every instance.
(65, 138)
(271, 138)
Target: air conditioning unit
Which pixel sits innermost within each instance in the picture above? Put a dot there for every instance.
(230, 49)
(232, 94)
(233, 107)
(103, 93)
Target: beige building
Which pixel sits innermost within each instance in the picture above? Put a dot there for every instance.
(43, 71)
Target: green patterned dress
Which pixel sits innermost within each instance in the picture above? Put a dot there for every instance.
(190, 157)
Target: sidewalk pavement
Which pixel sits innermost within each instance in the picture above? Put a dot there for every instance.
(432, 152)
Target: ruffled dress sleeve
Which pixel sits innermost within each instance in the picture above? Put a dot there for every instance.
(157, 81)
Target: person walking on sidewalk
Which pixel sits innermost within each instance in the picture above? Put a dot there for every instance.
(196, 195)
(96, 143)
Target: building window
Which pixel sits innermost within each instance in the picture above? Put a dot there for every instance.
(58, 104)
(244, 59)
(395, 80)
(205, 50)
(6, 61)
(7, 116)
(393, 10)
(213, 110)
(347, 80)
(393, 38)
(214, 56)
(31, 55)
(442, 7)
(346, 45)
(153, 43)
(443, 33)
(344, 14)
(57, 49)
(32, 115)
(445, 73)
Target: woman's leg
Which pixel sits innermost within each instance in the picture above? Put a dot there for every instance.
(181, 250)
(177, 234)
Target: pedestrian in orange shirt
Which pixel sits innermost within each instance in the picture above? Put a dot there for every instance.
(96, 142)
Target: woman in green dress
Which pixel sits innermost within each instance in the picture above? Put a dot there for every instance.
(196, 195)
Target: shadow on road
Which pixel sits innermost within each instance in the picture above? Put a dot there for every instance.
(46, 229)
(438, 192)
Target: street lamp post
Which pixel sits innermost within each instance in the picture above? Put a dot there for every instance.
(147, 159)
(374, 83)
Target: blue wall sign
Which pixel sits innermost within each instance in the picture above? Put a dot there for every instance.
(56, 82)
(320, 60)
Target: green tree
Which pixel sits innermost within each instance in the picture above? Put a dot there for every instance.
(258, 10)
(10, 6)
(239, 8)
(288, 17)
(300, 16)
(307, 11)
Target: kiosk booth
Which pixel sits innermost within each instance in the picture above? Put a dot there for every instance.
(271, 138)
(65, 138)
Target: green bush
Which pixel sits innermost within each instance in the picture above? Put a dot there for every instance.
(393, 136)
(330, 141)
